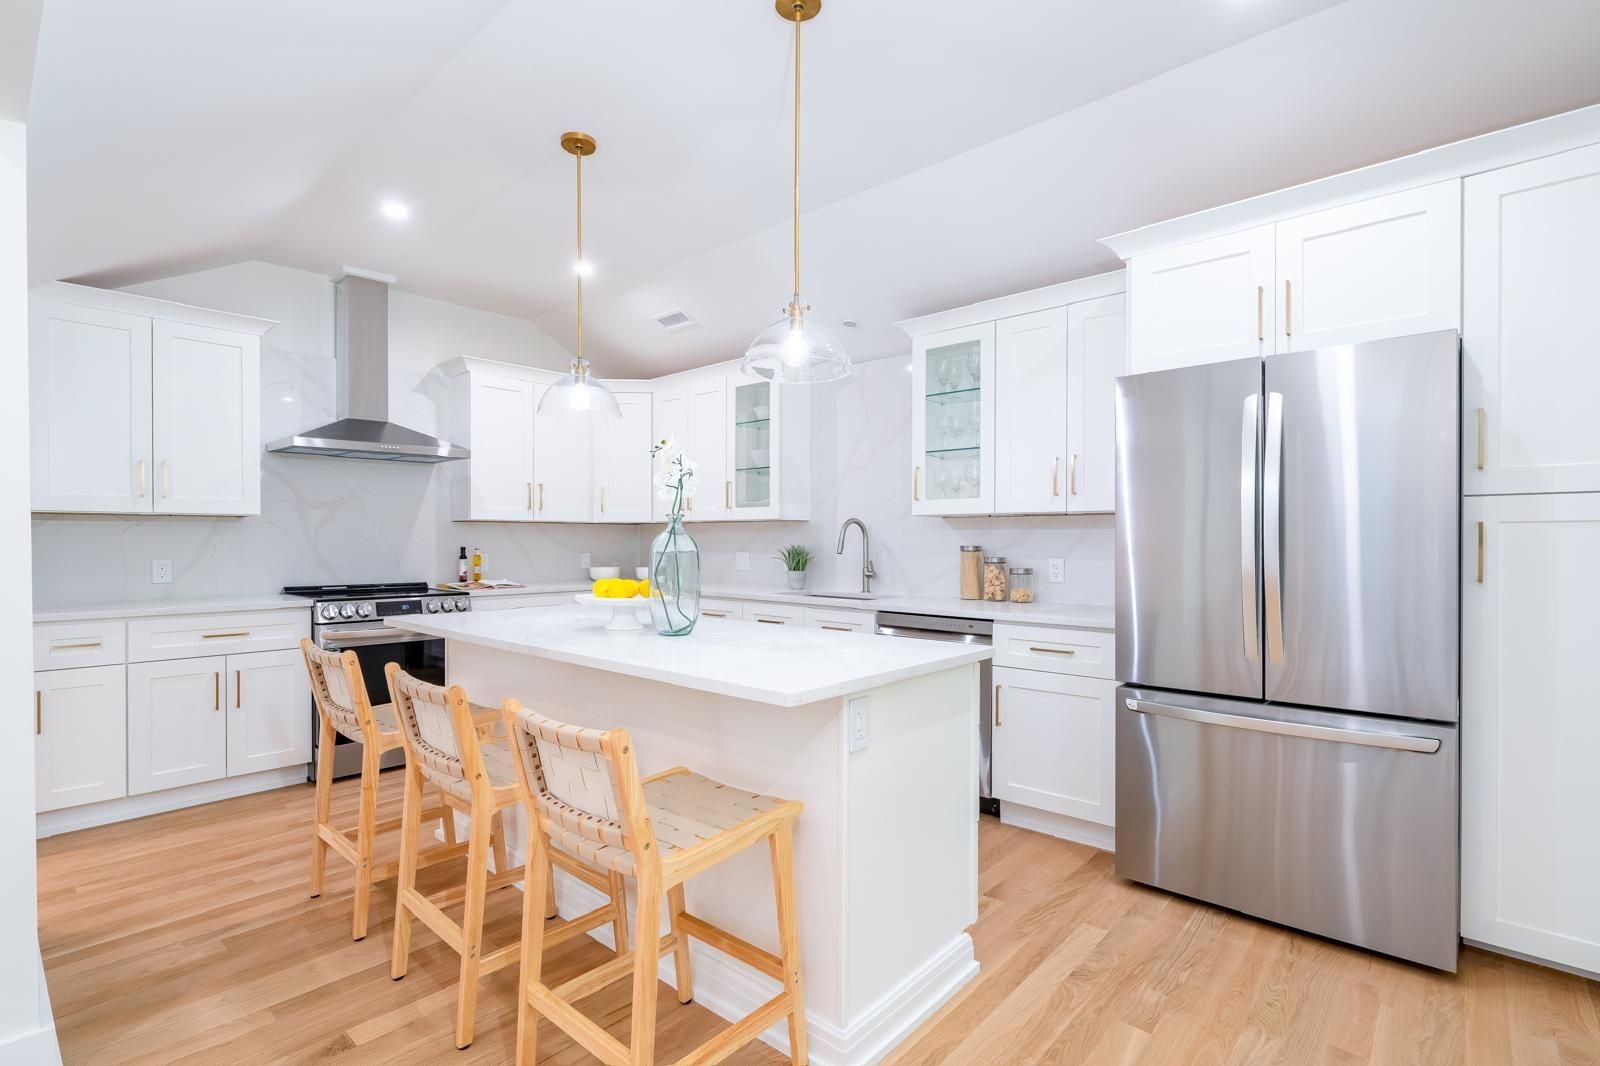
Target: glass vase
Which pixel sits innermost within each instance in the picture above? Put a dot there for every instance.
(674, 580)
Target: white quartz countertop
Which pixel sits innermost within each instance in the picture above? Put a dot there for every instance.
(157, 608)
(786, 666)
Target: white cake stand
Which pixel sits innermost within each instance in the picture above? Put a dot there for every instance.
(624, 613)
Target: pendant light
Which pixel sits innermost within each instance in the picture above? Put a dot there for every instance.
(578, 394)
(796, 350)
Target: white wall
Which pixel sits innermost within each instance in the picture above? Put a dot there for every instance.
(860, 463)
(323, 520)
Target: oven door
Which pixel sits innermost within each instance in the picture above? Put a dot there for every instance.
(376, 644)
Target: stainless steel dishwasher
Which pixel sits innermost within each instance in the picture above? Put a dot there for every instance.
(962, 631)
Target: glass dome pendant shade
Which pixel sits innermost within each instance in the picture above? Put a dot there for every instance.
(796, 350)
(576, 394)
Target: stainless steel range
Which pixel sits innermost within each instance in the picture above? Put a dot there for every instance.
(354, 618)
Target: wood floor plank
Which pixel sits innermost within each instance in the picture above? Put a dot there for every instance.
(188, 938)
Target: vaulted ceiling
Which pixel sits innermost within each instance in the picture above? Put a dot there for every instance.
(951, 152)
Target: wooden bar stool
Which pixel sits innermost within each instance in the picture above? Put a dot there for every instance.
(340, 693)
(583, 790)
(451, 744)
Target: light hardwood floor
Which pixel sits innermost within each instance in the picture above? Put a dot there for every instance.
(188, 938)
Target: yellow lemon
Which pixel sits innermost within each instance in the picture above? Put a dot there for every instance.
(626, 588)
(599, 589)
(644, 588)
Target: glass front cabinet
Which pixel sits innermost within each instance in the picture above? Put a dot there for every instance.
(952, 422)
(753, 407)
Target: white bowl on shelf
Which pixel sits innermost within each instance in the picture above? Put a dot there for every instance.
(624, 613)
(598, 572)
(641, 573)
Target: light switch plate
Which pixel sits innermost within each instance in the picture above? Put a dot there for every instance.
(741, 560)
(161, 571)
(583, 561)
(858, 719)
(1058, 570)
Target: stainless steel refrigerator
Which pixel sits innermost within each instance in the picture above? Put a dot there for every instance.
(1288, 619)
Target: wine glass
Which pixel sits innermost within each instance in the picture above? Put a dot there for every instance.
(973, 366)
(969, 477)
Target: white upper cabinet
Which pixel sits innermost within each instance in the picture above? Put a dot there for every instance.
(493, 418)
(141, 406)
(1530, 800)
(1205, 302)
(1384, 267)
(1097, 354)
(563, 467)
(670, 420)
(205, 387)
(705, 442)
(1531, 277)
(622, 461)
(1030, 447)
(89, 386)
(952, 421)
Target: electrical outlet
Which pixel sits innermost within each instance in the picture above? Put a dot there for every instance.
(1058, 570)
(741, 560)
(583, 561)
(161, 571)
(859, 730)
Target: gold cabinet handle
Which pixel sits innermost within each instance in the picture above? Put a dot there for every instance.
(715, 614)
(916, 483)
(166, 488)
(997, 705)
(1482, 419)
(838, 629)
(216, 690)
(530, 495)
(770, 621)
(541, 496)
(224, 636)
(1054, 651)
(1055, 469)
(38, 713)
(1072, 475)
(238, 689)
(141, 479)
(727, 495)
(1480, 553)
(76, 645)
(1288, 310)
(1261, 316)
(602, 499)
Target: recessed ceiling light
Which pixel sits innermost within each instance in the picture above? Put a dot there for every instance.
(395, 211)
(583, 268)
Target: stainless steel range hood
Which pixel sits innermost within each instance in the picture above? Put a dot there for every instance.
(361, 350)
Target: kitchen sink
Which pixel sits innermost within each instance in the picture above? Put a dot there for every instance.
(841, 595)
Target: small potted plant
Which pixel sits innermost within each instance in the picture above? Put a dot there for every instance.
(795, 558)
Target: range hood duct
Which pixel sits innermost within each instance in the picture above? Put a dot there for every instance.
(361, 353)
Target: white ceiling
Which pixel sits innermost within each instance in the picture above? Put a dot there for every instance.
(946, 159)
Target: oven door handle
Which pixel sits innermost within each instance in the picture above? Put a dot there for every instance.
(355, 638)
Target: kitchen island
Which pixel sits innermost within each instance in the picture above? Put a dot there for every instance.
(878, 737)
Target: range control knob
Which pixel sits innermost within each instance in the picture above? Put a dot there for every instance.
(454, 603)
(463, 603)
(330, 611)
(431, 606)
(347, 610)
(364, 610)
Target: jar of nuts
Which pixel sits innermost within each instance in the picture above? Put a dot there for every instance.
(994, 578)
(1022, 584)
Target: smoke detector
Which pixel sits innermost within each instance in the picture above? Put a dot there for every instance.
(673, 321)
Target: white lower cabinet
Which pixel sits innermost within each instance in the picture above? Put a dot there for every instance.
(269, 724)
(177, 729)
(840, 620)
(1530, 805)
(779, 614)
(80, 741)
(733, 609)
(1054, 743)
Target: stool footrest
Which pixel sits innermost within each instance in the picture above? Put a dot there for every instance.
(726, 942)
(595, 1040)
(740, 1033)
(608, 972)
(559, 932)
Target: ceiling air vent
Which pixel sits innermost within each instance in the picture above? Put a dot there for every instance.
(674, 320)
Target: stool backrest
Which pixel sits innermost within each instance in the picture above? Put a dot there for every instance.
(583, 786)
(340, 691)
(437, 728)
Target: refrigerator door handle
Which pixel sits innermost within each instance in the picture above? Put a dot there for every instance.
(1247, 529)
(1272, 526)
(1391, 741)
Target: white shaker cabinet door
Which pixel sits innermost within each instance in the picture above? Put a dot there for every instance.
(500, 476)
(622, 461)
(1530, 798)
(563, 467)
(669, 419)
(705, 441)
(269, 711)
(1030, 432)
(177, 723)
(89, 409)
(80, 736)
(207, 420)
(1384, 267)
(1205, 302)
(1054, 743)
(1097, 353)
(1532, 361)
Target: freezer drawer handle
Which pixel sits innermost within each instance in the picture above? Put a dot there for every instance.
(1393, 741)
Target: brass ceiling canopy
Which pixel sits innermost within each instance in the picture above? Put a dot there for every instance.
(798, 10)
(575, 143)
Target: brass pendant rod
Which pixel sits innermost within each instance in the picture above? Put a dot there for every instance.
(797, 12)
(578, 267)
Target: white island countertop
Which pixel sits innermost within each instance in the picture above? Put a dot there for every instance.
(783, 666)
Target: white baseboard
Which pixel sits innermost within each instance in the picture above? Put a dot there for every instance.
(730, 989)
(1576, 971)
(1050, 823)
(49, 823)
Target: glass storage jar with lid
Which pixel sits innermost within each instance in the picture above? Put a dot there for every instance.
(994, 578)
(1021, 584)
